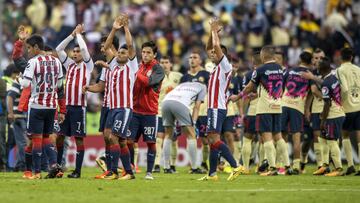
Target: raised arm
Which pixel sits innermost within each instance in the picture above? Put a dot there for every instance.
(116, 26)
(83, 48)
(60, 49)
(129, 40)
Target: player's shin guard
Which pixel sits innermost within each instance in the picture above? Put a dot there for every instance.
(335, 153)
(246, 152)
(37, 152)
(191, 148)
(167, 152)
(115, 154)
(80, 151)
(318, 154)
(151, 153)
(49, 150)
(348, 151)
(125, 158)
(284, 153)
(269, 150)
(174, 148)
(28, 158)
(159, 143)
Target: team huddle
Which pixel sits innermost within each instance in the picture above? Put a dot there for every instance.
(146, 98)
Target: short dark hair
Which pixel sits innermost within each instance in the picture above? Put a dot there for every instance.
(166, 58)
(318, 50)
(124, 46)
(115, 41)
(325, 64)
(36, 40)
(10, 69)
(150, 44)
(224, 49)
(48, 48)
(256, 59)
(306, 57)
(269, 51)
(347, 54)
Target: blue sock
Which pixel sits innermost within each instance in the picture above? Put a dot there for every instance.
(107, 158)
(50, 151)
(213, 159)
(125, 159)
(132, 153)
(151, 153)
(36, 153)
(225, 152)
(79, 157)
(60, 152)
(28, 158)
(115, 154)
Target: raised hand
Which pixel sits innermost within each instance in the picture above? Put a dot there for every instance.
(22, 33)
(118, 23)
(79, 29)
(215, 24)
(125, 19)
(101, 63)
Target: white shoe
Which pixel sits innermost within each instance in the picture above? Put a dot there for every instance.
(149, 176)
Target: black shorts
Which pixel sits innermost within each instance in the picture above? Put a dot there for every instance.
(333, 128)
(292, 120)
(352, 121)
(229, 124)
(315, 121)
(268, 123)
(145, 125)
(201, 126)
(75, 122)
(249, 123)
(40, 121)
(104, 119)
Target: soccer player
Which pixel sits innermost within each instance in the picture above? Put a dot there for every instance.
(44, 74)
(79, 69)
(123, 74)
(198, 74)
(146, 100)
(294, 102)
(171, 80)
(217, 98)
(176, 106)
(333, 115)
(250, 118)
(104, 86)
(348, 75)
(268, 79)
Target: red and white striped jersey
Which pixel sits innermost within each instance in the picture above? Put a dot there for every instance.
(106, 77)
(122, 83)
(77, 76)
(218, 84)
(43, 71)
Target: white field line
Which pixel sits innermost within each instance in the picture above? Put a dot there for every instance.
(271, 190)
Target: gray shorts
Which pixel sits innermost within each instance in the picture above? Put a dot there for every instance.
(173, 110)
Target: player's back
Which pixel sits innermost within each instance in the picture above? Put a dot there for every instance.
(44, 71)
(187, 92)
(331, 91)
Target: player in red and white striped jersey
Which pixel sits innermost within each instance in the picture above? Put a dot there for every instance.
(217, 100)
(79, 69)
(103, 85)
(44, 73)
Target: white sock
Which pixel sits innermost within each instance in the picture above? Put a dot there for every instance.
(167, 152)
(191, 148)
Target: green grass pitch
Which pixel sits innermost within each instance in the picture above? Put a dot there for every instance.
(180, 188)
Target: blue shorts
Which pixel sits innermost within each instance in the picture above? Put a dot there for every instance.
(40, 121)
(352, 121)
(201, 125)
(229, 124)
(160, 127)
(120, 120)
(105, 119)
(215, 120)
(145, 125)
(268, 123)
(75, 122)
(333, 128)
(315, 121)
(249, 123)
(292, 120)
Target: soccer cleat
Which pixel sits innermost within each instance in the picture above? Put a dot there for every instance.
(27, 174)
(127, 177)
(36, 176)
(54, 172)
(204, 166)
(350, 170)
(288, 171)
(172, 167)
(211, 178)
(100, 161)
(282, 171)
(336, 172)
(246, 172)
(197, 171)
(296, 172)
(111, 176)
(149, 176)
(168, 171)
(302, 168)
(271, 172)
(102, 176)
(135, 169)
(264, 166)
(156, 169)
(74, 174)
(322, 170)
(235, 173)
(357, 173)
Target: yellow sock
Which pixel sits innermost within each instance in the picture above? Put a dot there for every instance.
(303, 157)
(325, 150)
(136, 155)
(335, 153)
(348, 151)
(261, 153)
(269, 149)
(205, 153)
(318, 153)
(174, 148)
(237, 151)
(296, 164)
(283, 151)
(159, 142)
(246, 152)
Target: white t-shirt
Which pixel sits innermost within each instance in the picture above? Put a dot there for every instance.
(186, 93)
